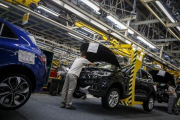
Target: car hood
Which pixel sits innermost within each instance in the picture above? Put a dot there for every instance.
(167, 78)
(103, 54)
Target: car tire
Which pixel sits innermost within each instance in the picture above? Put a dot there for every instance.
(78, 94)
(149, 104)
(33, 6)
(112, 95)
(15, 90)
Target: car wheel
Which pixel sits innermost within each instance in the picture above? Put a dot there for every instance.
(111, 100)
(78, 94)
(32, 6)
(15, 90)
(149, 104)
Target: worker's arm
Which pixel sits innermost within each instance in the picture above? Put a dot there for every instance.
(170, 92)
(92, 64)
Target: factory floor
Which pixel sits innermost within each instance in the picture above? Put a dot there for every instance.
(43, 106)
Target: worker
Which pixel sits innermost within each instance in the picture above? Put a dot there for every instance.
(71, 81)
(172, 102)
(155, 86)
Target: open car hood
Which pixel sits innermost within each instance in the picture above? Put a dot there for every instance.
(167, 78)
(103, 54)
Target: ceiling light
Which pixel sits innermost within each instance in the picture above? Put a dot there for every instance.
(88, 30)
(91, 5)
(128, 42)
(130, 31)
(48, 10)
(120, 25)
(82, 32)
(75, 36)
(4, 5)
(165, 11)
(144, 41)
(178, 28)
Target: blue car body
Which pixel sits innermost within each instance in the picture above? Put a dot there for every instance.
(19, 43)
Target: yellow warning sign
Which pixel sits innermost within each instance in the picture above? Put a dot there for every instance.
(25, 18)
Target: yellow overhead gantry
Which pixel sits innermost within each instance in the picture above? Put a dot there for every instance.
(126, 50)
(27, 3)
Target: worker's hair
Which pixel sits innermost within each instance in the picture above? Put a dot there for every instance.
(169, 83)
(83, 54)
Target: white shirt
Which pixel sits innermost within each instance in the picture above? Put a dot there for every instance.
(77, 66)
(170, 88)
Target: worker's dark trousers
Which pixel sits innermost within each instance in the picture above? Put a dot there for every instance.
(172, 104)
(68, 89)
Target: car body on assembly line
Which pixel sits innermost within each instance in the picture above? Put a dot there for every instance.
(111, 83)
(22, 66)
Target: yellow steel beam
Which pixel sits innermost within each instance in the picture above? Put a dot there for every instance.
(138, 102)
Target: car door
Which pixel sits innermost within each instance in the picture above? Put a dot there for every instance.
(139, 87)
(7, 39)
(143, 84)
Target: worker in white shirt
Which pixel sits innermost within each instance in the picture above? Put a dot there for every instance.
(71, 81)
(172, 102)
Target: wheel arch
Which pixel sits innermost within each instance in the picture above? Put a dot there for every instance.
(20, 69)
(119, 86)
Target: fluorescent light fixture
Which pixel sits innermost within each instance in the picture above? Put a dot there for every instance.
(91, 5)
(58, 2)
(75, 36)
(82, 32)
(88, 30)
(97, 12)
(178, 28)
(128, 42)
(130, 31)
(4, 5)
(98, 25)
(80, 14)
(49, 11)
(144, 41)
(165, 11)
(120, 25)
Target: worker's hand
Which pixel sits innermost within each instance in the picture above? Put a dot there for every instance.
(97, 64)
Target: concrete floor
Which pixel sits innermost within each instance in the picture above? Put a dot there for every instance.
(46, 107)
